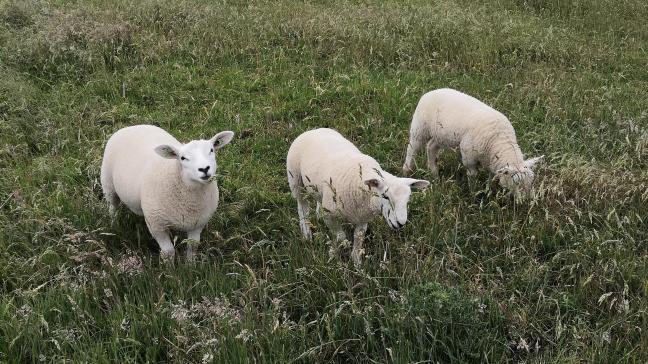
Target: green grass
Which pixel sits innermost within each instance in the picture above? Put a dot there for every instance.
(474, 277)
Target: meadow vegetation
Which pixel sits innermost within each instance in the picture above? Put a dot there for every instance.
(474, 276)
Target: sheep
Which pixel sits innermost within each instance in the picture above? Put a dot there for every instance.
(446, 118)
(172, 185)
(348, 185)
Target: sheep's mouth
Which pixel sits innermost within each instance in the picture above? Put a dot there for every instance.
(395, 226)
(206, 178)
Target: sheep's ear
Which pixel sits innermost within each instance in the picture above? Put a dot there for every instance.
(418, 184)
(530, 163)
(167, 151)
(504, 171)
(221, 139)
(375, 183)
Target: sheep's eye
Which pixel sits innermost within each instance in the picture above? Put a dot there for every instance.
(385, 197)
(183, 158)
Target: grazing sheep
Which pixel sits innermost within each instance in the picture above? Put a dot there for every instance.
(172, 185)
(349, 186)
(447, 118)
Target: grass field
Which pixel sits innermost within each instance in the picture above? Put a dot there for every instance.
(474, 277)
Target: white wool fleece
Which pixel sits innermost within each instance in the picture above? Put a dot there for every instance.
(348, 185)
(447, 118)
(172, 185)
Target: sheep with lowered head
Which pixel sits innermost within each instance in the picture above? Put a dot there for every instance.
(169, 183)
(348, 185)
(447, 118)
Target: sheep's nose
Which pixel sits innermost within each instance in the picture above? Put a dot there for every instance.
(204, 170)
(400, 226)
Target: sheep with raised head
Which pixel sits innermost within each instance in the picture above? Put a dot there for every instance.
(169, 183)
(348, 185)
(446, 118)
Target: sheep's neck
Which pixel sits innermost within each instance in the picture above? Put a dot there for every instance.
(503, 151)
(353, 192)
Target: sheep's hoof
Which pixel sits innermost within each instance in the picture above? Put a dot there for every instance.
(191, 250)
(356, 255)
(407, 170)
(308, 235)
(167, 257)
(112, 213)
(191, 256)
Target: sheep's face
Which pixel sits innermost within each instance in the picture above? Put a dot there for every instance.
(518, 179)
(198, 157)
(394, 193)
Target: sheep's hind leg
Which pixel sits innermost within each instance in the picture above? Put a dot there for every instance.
(193, 238)
(432, 154)
(358, 240)
(112, 200)
(303, 208)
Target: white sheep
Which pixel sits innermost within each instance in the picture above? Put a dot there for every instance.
(172, 185)
(349, 186)
(447, 118)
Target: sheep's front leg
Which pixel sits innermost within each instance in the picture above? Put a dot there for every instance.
(412, 148)
(335, 227)
(358, 239)
(470, 164)
(167, 251)
(194, 240)
(468, 157)
(432, 153)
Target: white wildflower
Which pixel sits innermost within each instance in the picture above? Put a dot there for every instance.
(125, 324)
(244, 335)
(606, 336)
(130, 265)
(179, 312)
(207, 358)
(24, 311)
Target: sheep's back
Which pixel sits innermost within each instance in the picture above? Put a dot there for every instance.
(129, 152)
(448, 115)
(316, 151)
(331, 165)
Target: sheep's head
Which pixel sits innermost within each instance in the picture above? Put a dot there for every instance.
(197, 158)
(394, 193)
(518, 179)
